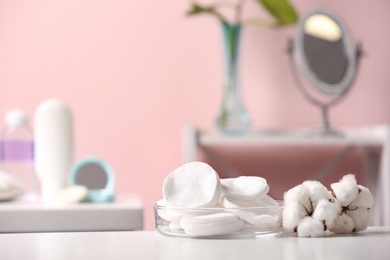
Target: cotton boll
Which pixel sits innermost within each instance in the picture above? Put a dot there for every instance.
(327, 211)
(317, 192)
(346, 189)
(299, 193)
(293, 213)
(343, 224)
(361, 217)
(364, 198)
(309, 227)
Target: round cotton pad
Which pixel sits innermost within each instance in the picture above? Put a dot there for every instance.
(211, 224)
(72, 195)
(194, 184)
(265, 216)
(244, 188)
(167, 213)
(10, 187)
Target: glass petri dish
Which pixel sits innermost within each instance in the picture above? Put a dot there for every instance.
(220, 223)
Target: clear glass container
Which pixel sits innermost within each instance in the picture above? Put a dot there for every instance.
(233, 117)
(219, 223)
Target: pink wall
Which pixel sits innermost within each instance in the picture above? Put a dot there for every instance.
(135, 72)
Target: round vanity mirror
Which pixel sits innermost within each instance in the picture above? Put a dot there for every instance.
(97, 176)
(328, 58)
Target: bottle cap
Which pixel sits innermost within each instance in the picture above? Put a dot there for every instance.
(15, 118)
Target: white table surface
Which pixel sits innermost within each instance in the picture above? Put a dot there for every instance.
(373, 244)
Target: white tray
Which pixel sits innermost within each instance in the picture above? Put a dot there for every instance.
(125, 214)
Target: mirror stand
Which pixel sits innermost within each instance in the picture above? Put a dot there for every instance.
(324, 52)
(325, 127)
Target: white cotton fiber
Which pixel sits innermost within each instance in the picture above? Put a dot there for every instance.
(346, 189)
(361, 218)
(192, 185)
(293, 213)
(327, 211)
(299, 193)
(343, 224)
(309, 227)
(244, 188)
(317, 192)
(363, 199)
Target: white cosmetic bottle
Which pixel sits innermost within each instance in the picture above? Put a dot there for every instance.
(53, 147)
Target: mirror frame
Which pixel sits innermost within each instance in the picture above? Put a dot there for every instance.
(96, 195)
(350, 51)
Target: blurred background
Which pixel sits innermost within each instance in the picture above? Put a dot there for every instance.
(134, 73)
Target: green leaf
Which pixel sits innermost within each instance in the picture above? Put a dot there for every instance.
(199, 9)
(281, 10)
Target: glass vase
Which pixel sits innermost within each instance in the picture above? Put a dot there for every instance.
(233, 118)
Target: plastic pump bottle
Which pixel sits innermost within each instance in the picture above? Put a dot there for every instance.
(17, 152)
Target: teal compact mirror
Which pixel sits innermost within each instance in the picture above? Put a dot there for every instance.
(97, 176)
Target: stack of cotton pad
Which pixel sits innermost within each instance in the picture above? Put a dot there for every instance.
(198, 202)
(310, 209)
(10, 187)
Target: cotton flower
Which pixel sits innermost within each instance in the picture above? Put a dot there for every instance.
(363, 199)
(299, 193)
(293, 213)
(310, 209)
(356, 201)
(343, 224)
(309, 200)
(360, 217)
(309, 227)
(317, 192)
(346, 189)
(327, 211)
